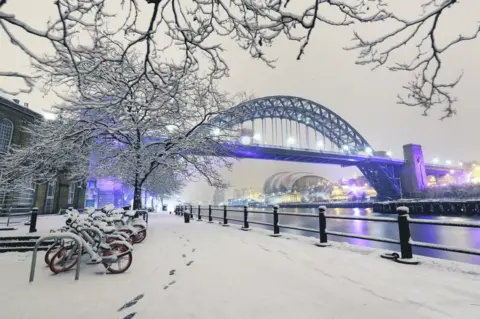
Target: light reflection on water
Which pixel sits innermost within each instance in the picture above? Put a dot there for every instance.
(445, 235)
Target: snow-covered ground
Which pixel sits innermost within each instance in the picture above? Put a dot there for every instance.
(202, 270)
(44, 224)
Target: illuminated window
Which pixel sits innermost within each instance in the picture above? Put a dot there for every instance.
(6, 131)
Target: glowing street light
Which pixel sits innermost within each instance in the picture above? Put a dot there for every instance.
(291, 141)
(452, 171)
(436, 160)
(49, 116)
(448, 162)
(369, 151)
(216, 131)
(389, 154)
(319, 144)
(345, 148)
(257, 137)
(460, 164)
(245, 140)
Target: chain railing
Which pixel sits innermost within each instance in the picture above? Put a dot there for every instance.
(403, 220)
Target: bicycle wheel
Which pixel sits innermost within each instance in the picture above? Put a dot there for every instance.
(51, 251)
(62, 262)
(141, 235)
(123, 263)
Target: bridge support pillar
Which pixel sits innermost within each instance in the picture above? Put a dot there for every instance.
(413, 177)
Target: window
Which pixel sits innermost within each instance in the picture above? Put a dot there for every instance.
(71, 193)
(6, 130)
(49, 199)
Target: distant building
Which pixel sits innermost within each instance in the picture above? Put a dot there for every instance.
(219, 196)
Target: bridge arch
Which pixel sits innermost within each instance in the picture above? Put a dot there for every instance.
(300, 110)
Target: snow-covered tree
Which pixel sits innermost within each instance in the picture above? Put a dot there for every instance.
(165, 183)
(54, 148)
(131, 123)
(160, 29)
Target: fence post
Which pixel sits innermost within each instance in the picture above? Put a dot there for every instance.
(191, 211)
(322, 227)
(276, 228)
(186, 218)
(404, 232)
(9, 214)
(33, 220)
(210, 218)
(245, 218)
(199, 215)
(225, 220)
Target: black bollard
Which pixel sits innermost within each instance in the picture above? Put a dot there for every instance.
(322, 227)
(33, 220)
(210, 218)
(225, 220)
(191, 211)
(276, 228)
(245, 218)
(199, 215)
(404, 232)
(186, 218)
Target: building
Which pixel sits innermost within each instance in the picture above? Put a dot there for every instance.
(49, 198)
(219, 196)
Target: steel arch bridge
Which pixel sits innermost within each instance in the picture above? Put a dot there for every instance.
(382, 175)
(303, 111)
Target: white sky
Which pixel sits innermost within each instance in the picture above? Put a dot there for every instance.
(328, 75)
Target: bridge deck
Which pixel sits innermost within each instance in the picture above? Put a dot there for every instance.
(324, 157)
(238, 274)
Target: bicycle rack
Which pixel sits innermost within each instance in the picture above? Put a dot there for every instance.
(76, 238)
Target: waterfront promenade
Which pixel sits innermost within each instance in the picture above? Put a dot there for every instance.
(201, 270)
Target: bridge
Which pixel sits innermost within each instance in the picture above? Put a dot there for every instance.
(288, 128)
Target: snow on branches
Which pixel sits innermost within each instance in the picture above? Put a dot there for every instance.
(54, 148)
(130, 127)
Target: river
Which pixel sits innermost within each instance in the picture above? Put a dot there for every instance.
(445, 235)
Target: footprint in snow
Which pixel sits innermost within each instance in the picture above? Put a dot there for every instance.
(128, 305)
(172, 272)
(193, 250)
(130, 315)
(184, 255)
(190, 262)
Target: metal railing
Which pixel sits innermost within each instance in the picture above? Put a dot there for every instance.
(403, 221)
(31, 219)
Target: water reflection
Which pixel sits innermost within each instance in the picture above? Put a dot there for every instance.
(446, 235)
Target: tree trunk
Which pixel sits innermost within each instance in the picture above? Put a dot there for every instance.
(137, 195)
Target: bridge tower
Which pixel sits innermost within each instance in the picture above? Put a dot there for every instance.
(413, 176)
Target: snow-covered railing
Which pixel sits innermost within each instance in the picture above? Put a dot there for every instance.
(403, 220)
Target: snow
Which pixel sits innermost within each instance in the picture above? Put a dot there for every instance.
(202, 270)
(44, 225)
(403, 209)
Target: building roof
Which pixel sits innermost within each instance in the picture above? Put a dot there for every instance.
(19, 108)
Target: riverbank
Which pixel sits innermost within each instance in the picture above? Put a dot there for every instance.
(445, 207)
(207, 271)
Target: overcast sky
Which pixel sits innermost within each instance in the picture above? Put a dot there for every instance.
(328, 75)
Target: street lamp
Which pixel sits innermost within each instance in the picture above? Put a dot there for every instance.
(257, 137)
(448, 162)
(291, 141)
(436, 160)
(389, 153)
(216, 131)
(369, 151)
